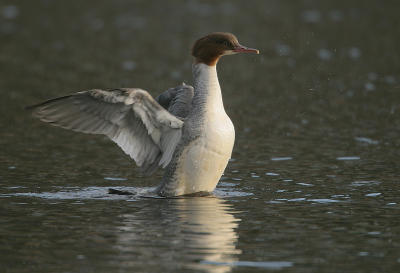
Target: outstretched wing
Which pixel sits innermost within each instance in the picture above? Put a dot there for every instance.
(129, 117)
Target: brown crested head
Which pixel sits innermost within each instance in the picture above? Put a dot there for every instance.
(211, 47)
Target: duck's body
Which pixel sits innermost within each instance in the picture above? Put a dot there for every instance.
(207, 140)
(193, 139)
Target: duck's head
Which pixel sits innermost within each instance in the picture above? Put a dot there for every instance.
(211, 47)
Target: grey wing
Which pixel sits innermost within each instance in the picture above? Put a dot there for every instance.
(177, 100)
(129, 117)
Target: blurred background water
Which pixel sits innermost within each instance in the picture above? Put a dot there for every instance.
(313, 184)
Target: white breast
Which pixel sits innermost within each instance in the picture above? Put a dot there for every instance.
(207, 142)
(205, 159)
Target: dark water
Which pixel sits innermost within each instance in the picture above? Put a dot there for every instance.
(313, 185)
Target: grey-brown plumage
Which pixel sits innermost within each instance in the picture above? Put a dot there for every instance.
(177, 100)
(129, 117)
(184, 129)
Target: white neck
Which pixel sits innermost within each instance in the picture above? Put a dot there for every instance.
(207, 92)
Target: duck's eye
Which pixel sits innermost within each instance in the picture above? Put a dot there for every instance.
(225, 43)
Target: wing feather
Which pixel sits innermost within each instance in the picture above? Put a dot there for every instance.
(177, 100)
(130, 117)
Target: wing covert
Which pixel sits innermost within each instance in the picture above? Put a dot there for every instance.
(128, 116)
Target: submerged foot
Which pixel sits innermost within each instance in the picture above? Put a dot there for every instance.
(114, 191)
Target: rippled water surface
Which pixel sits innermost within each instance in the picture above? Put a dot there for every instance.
(313, 184)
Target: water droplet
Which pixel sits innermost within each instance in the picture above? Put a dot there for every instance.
(311, 16)
(129, 65)
(10, 12)
(336, 15)
(175, 75)
(283, 50)
(354, 52)
(324, 54)
(369, 86)
(372, 76)
(97, 24)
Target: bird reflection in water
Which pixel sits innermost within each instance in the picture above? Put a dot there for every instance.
(188, 231)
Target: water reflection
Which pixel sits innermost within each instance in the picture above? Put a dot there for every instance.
(190, 231)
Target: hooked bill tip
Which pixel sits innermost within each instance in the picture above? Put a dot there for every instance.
(240, 48)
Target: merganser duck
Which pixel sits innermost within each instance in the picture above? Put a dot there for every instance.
(184, 129)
